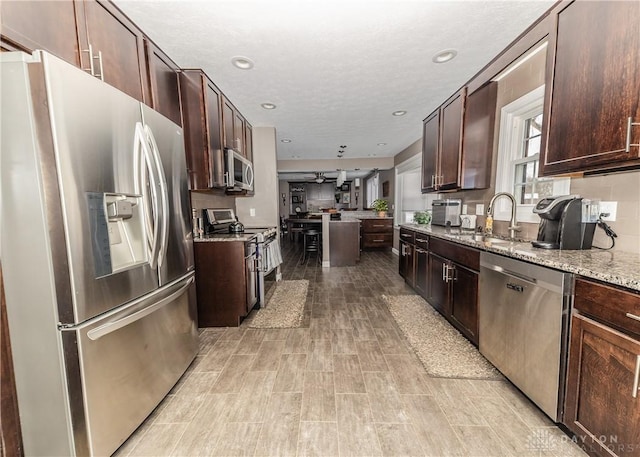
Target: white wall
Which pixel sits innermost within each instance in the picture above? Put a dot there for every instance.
(266, 198)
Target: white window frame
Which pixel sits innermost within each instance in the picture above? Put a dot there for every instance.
(512, 123)
(372, 189)
(411, 165)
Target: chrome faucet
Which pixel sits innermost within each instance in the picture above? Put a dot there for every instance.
(513, 227)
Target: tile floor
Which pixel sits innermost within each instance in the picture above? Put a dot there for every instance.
(344, 384)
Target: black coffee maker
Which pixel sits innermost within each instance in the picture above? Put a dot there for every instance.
(561, 223)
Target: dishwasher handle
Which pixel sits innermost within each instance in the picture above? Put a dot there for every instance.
(513, 274)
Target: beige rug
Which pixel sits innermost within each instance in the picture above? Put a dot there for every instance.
(285, 307)
(443, 351)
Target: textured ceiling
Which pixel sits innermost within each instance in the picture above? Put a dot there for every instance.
(335, 69)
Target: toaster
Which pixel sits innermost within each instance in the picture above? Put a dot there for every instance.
(446, 212)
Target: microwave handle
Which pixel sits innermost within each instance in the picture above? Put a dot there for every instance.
(249, 175)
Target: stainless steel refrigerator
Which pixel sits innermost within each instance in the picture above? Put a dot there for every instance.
(96, 254)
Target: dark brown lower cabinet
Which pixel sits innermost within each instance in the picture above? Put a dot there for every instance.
(438, 295)
(421, 267)
(464, 296)
(406, 268)
(602, 404)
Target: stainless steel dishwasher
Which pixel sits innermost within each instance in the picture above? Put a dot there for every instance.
(524, 318)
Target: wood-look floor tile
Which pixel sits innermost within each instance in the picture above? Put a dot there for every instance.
(233, 334)
(290, 375)
(386, 403)
(481, 441)
(159, 440)
(217, 357)
(297, 341)
(409, 379)
(529, 412)
(340, 319)
(318, 397)
(398, 440)
(250, 342)
(455, 403)
(348, 374)
(371, 357)
(320, 355)
(434, 433)
(198, 439)
(320, 329)
(268, 356)
(353, 408)
(276, 334)
(380, 318)
(178, 408)
(343, 342)
(279, 434)
(390, 342)
(252, 400)
(358, 439)
(318, 439)
(237, 439)
(362, 330)
(230, 379)
(208, 338)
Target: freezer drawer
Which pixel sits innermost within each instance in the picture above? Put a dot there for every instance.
(130, 360)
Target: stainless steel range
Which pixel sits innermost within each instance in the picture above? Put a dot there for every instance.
(267, 246)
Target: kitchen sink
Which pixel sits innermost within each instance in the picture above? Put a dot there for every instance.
(485, 239)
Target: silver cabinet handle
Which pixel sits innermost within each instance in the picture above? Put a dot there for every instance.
(433, 181)
(378, 241)
(636, 378)
(422, 240)
(421, 251)
(444, 272)
(91, 68)
(633, 316)
(628, 145)
(404, 235)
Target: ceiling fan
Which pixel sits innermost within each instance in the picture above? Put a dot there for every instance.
(319, 177)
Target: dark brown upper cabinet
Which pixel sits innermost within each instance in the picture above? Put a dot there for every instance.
(479, 127)
(234, 127)
(442, 145)
(112, 47)
(27, 26)
(592, 104)
(163, 83)
(201, 105)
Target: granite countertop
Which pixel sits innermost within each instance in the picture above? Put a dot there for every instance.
(615, 267)
(225, 237)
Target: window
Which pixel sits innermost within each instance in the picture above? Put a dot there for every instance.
(518, 157)
(409, 197)
(372, 189)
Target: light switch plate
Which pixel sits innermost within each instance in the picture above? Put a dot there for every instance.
(611, 208)
(252, 212)
(480, 209)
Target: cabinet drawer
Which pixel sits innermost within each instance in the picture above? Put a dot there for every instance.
(422, 241)
(468, 257)
(612, 305)
(377, 225)
(408, 236)
(377, 240)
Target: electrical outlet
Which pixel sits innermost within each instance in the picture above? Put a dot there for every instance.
(465, 208)
(480, 209)
(252, 212)
(610, 208)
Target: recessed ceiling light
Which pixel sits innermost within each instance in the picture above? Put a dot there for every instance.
(285, 140)
(268, 106)
(382, 144)
(444, 56)
(241, 62)
(399, 113)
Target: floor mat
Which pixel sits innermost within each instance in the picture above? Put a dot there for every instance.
(284, 308)
(443, 351)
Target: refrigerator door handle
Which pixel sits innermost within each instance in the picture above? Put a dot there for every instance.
(164, 196)
(142, 166)
(111, 327)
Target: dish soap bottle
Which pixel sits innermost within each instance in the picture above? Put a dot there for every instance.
(488, 225)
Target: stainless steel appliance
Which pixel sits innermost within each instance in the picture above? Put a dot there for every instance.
(267, 247)
(97, 255)
(239, 173)
(566, 222)
(524, 318)
(446, 212)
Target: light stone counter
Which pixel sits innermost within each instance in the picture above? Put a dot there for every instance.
(225, 237)
(615, 267)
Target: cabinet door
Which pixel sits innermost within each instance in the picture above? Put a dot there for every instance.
(228, 119)
(593, 75)
(239, 133)
(464, 302)
(430, 141)
(421, 264)
(406, 263)
(438, 288)
(248, 141)
(195, 137)
(47, 25)
(163, 81)
(451, 141)
(214, 134)
(120, 43)
(479, 126)
(600, 401)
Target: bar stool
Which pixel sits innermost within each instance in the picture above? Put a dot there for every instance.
(312, 239)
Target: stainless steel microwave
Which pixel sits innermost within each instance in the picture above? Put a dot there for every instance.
(239, 173)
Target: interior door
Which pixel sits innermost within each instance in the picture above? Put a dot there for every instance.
(94, 130)
(177, 254)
